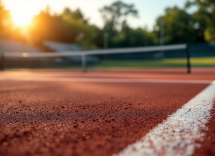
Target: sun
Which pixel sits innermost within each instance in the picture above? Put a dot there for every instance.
(21, 19)
(22, 11)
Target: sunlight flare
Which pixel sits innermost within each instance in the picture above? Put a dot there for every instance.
(21, 19)
(23, 14)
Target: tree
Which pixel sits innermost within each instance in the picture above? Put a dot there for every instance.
(116, 14)
(47, 27)
(179, 26)
(206, 16)
(75, 15)
(115, 18)
(69, 27)
(134, 38)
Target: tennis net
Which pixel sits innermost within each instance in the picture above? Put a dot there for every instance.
(102, 58)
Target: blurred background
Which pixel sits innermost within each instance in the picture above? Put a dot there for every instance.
(53, 26)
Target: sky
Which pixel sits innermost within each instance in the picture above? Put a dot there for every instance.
(23, 10)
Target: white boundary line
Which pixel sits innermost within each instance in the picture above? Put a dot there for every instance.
(114, 80)
(177, 135)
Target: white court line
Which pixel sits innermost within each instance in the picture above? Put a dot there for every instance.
(118, 80)
(176, 136)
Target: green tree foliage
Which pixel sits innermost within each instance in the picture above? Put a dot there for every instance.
(78, 28)
(115, 24)
(46, 27)
(179, 26)
(69, 27)
(76, 15)
(134, 38)
(116, 14)
(206, 16)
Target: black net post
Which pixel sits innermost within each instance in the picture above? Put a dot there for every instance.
(188, 59)
(83, 60)
(2, 62)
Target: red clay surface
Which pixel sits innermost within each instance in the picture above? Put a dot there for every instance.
(83, 118)
(208, 145)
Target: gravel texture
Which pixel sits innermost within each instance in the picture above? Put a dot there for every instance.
(80, 118)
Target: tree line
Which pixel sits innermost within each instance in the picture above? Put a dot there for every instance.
(71, 26)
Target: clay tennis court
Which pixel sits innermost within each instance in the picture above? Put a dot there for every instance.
(67, 112)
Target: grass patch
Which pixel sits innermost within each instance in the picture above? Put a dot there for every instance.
(194, 61)
(168, 63)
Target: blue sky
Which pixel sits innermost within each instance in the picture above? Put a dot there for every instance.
(149, 10)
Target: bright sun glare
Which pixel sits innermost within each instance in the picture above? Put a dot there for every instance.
(22, 14)
(21, 19)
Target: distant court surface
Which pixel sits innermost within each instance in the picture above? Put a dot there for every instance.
(107, 112)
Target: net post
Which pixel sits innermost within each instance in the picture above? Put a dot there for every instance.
(83, 56)
(188, 59)
(2, 62)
